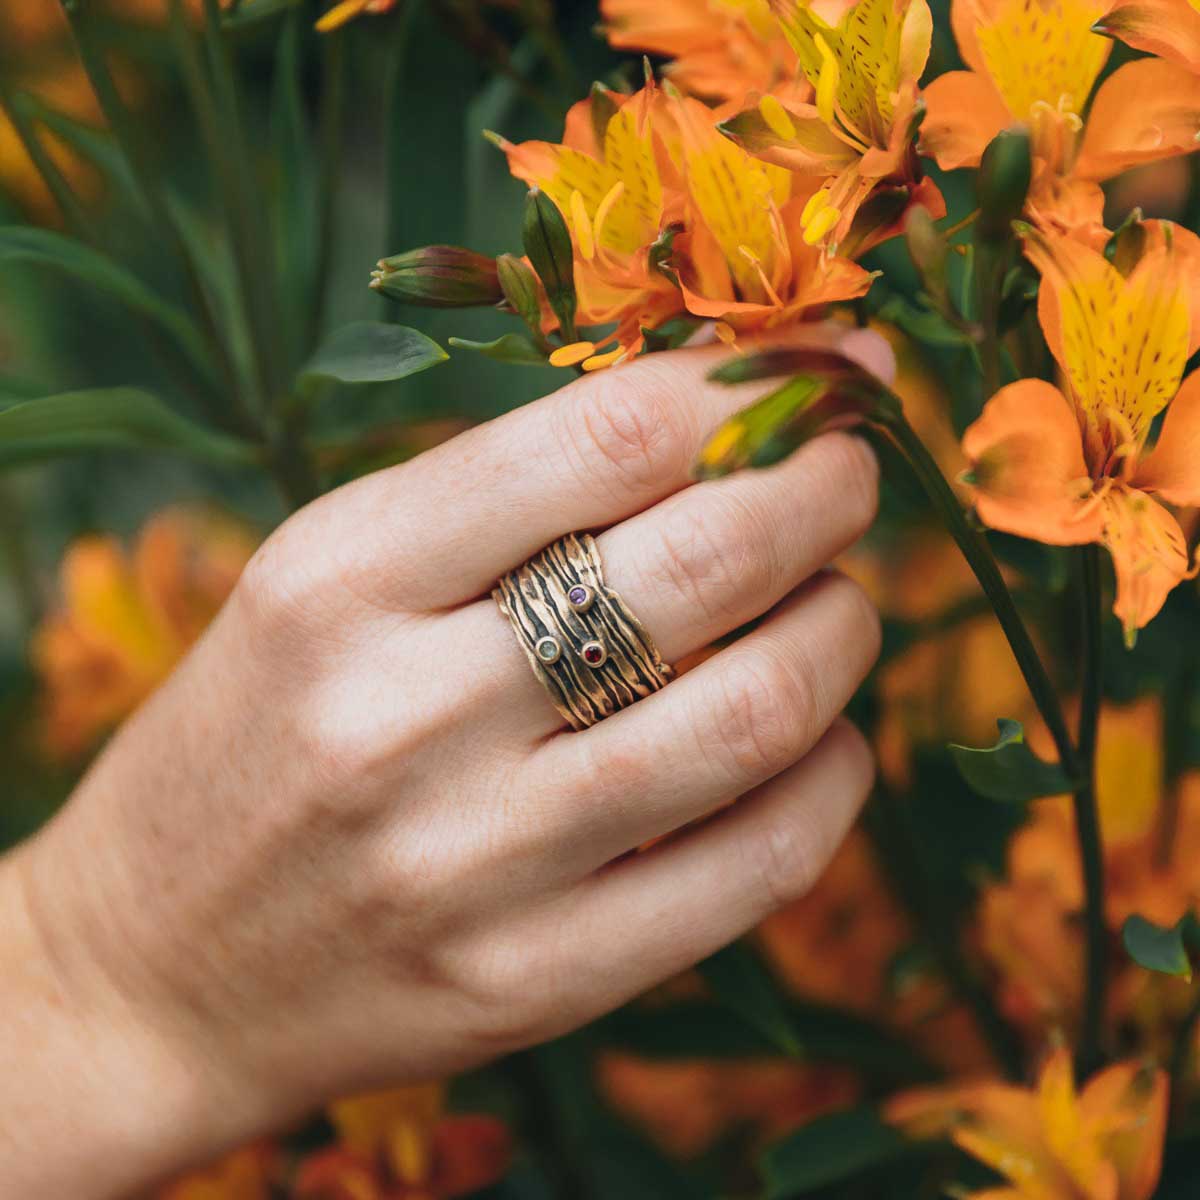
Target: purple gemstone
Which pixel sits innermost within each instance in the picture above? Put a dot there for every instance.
(578, 594)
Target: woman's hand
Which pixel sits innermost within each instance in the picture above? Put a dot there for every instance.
(350, 842)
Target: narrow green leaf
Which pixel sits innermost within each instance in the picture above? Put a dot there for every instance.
(829, 1150)
(1009, 770)
(45, 248)
(109, 419)
(741, 981)
(370, 352)
(508, 348)
(252, 11)
(1157, 948)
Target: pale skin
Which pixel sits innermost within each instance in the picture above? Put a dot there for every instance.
(350, 842)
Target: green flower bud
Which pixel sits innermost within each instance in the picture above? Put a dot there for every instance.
(438, 277)
(1004, 177)
(521, 289)
(548, 246)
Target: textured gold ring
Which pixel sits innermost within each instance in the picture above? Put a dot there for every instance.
(590, 652)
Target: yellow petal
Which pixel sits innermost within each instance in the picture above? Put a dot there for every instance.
(776, 117)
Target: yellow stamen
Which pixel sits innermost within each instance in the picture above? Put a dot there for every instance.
(569, 355)
(337, 16)
(584, 237)
(776, 117)
(599, 361)
(725, 333)
(755, 262)
(817, 201)
(821, 224)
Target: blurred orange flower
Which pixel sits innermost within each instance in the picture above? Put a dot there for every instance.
(400, 1145)
(722, 49)
(127, 619)
(857, 139)
(1071, 467)
(686, 1106)
(1052, 1142)
(667, 217)
(250, 1173)
(1170, 28)
(1034, 63)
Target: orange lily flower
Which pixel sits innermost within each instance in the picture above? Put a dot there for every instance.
(401, 1145)
(1074, 466)
(1169, 28)
(127, 619)
(745, 258)
(344, 12)
(607, 178)
(1034, 63)
(721, 49)
(659, 171)
(857, 137)
(1053, 1142)
(250, 1173)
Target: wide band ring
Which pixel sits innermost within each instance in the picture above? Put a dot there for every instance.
(591, 653)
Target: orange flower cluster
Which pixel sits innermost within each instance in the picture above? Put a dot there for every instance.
(128, 617)
(393, 1145)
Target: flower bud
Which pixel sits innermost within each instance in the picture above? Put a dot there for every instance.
(548, 246)
(521, 289)
(438, 277)
(1005, 173)
(928, 248)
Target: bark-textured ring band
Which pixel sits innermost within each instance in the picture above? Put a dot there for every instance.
(591, 653)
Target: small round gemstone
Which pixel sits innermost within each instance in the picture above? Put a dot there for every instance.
(580, 597)
(548, 650)
(594, 653)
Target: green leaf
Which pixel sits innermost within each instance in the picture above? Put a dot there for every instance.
(370, 352)
(829, 1150)
(1159, 948)
(109, 419)
(508, 348)
(44, 248)
(741, 981)
(1009, 770)
(251, 11)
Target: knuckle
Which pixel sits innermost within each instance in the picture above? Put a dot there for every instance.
(784, 856)
(622, 438)
(279, 588)
(712, 557)
(765, 714)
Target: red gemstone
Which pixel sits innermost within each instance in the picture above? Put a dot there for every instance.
(593, 655)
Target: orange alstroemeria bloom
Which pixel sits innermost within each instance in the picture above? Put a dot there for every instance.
(1053, 1142)
(667, 218)
(401, 1145)
(857, 138)
(1169, 28)
(720, 49)
(1034, 63)
(250, 1173)
(127, 619)
(1074, 466)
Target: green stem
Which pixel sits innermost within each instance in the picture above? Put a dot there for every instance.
(1087, 817)
(396, 153)
(989, 275)
(292, 465)
(980, 559)
(128, 139)
(72, 210)
(333, 96)
(248, 229)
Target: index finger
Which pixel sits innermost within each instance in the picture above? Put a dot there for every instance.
(600, 449)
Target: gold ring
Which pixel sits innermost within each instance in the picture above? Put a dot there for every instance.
(592, 655)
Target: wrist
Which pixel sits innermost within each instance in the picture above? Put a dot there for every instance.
(100, 1099)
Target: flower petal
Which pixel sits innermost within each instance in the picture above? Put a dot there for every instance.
(1145, 111)
(964, 113)
(1167, 27)
(1172, 469)
(1030, 478)
(1149, 554)
(1130, 1103)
